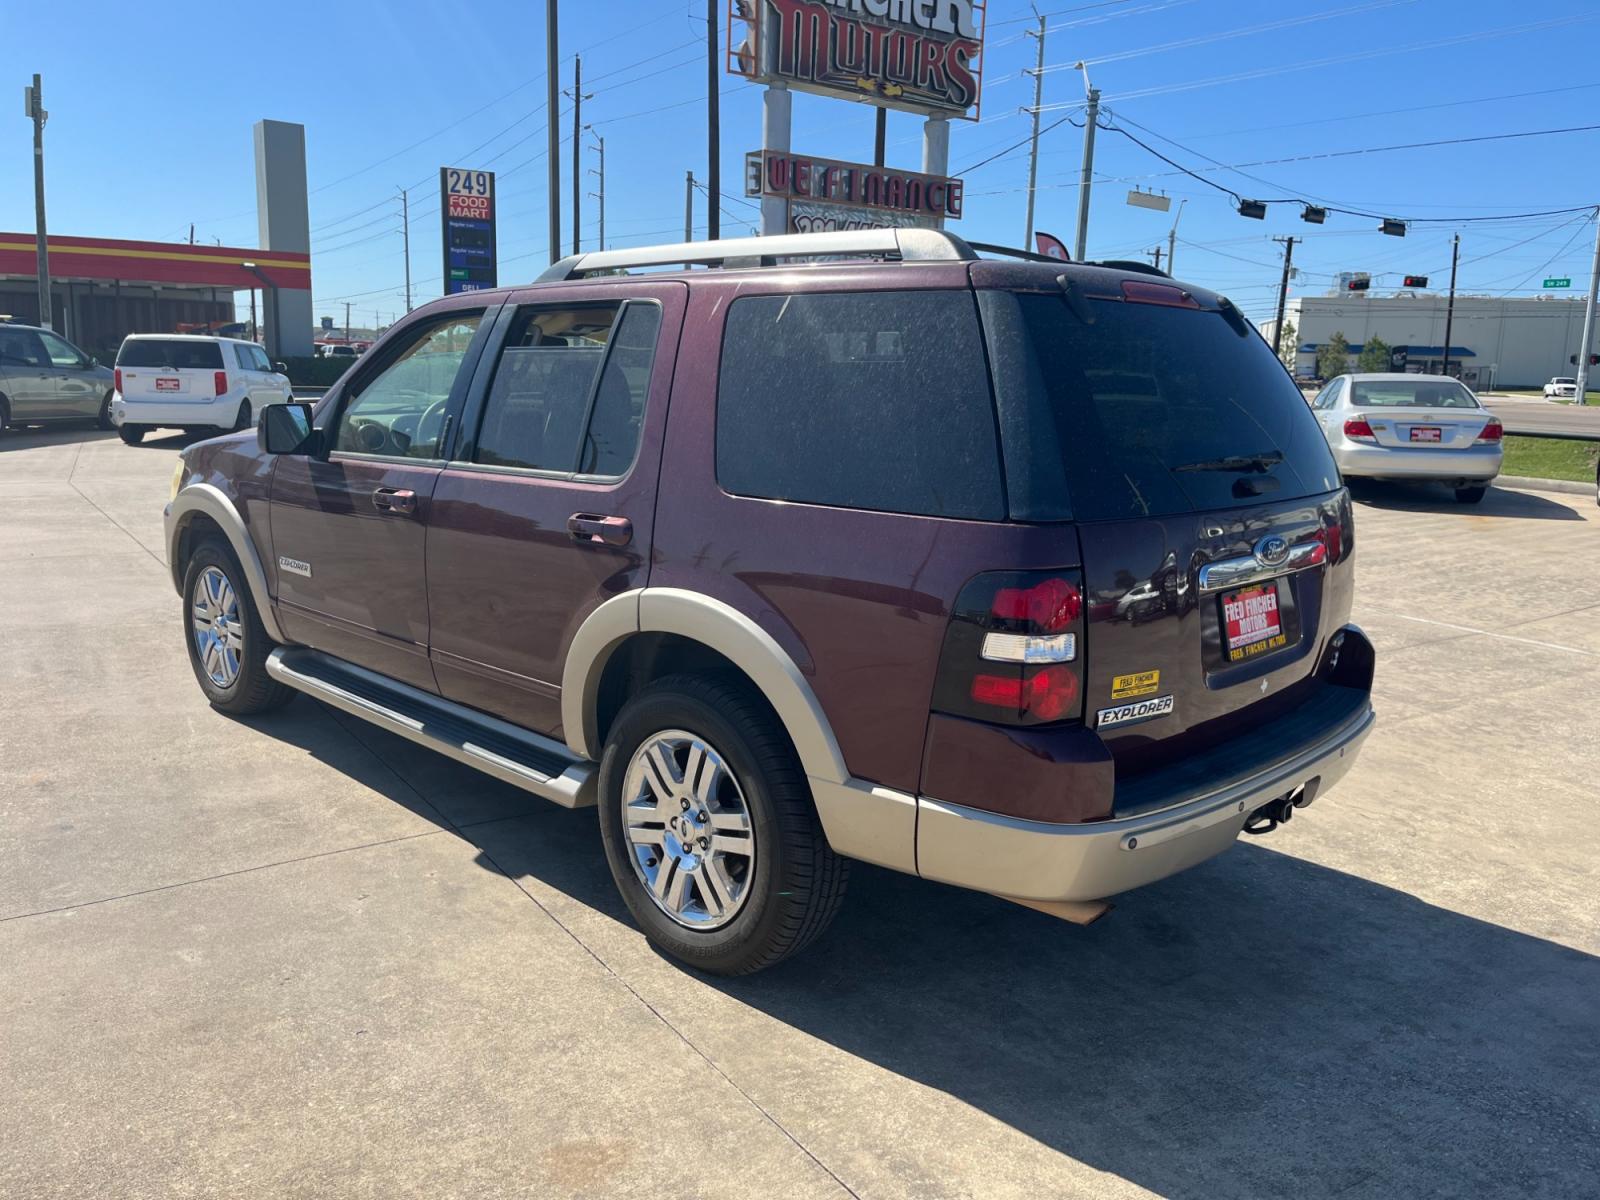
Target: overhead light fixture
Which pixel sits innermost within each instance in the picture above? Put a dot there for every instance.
(1254, 209)
(1393, 228)
(1314, 215)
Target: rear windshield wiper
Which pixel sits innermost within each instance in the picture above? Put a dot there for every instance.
(1238, 462)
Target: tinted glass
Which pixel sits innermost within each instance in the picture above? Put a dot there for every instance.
(613, 434)
(1406, 393)
(22, 348)
(534, 417)
(62, 352)
(875, 400)
(400, 411)
(174, 355)
(1145, 412)
(263, 363)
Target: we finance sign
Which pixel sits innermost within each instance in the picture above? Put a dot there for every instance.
(918, 55)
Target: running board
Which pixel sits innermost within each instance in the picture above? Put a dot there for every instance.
(514, 755)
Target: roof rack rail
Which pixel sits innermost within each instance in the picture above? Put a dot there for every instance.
(908, 245)
(1129, 264)
(1015, 252)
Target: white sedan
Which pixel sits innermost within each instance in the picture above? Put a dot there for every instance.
(1412, 428)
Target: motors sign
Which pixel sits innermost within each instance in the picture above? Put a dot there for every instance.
(466, 209)
(822, 193)
(921, 56)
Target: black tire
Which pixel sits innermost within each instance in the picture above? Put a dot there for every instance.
(797, 882)
(242, 421)
(252, 690)
(5, 416)
(132, 435)
(103, 421)
(1470, 495)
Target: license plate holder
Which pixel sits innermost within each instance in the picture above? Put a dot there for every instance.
(168, 384)
(1252, 622)
(1429, 434)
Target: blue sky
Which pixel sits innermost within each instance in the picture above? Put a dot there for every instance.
(151, 120)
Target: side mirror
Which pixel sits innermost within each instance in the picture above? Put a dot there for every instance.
(281, 368)
(286, 429)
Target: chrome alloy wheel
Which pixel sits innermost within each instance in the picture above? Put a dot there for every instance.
(218, 627)
(688, 828)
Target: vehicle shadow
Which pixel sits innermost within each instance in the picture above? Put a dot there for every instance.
(1260, 1026)
(29, 437)
(1500, 502)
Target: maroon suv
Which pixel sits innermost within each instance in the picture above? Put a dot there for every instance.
(1028, 577)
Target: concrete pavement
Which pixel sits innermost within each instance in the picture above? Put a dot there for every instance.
(299, 957)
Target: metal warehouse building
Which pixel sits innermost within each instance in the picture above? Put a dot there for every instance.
(1494, 342)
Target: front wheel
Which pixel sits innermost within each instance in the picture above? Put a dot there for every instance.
(709, 828)
(228, 646)
(1470, 495)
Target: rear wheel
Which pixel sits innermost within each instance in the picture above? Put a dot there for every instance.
(104, 419)
(132, 434)
(242, 421)
(228, 646)
(5, 415)
(1470, 495)
(709, 828)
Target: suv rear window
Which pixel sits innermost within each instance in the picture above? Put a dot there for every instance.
(1139, 413)
(874, 400)
(176, 355)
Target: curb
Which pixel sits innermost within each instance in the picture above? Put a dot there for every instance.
(1521, 483)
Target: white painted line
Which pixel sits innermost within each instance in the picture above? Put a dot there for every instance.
(1504, 637)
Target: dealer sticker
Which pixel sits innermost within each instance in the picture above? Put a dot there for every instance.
(1140, 683)
(1132, 714)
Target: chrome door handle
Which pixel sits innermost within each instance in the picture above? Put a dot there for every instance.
(608, 531)
(400, 501)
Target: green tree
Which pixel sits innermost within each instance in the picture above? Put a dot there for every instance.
(1333, 357)
(1289, 344)
(1374, 355)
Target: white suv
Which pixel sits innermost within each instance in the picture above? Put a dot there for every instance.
(180, 381)
(1560, 388)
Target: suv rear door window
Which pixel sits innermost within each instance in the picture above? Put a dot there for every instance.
(568, 392)
(1148, 411)
(871, 400)
(176, 355)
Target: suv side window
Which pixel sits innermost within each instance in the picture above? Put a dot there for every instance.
(62, 352)
(247, 361)
(569, 389)
(22, 348)
(871, 400)
(400, 410)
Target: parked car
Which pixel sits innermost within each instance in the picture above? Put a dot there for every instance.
(345, 351)
(44, 379)
(1560, 388)
(855, 593)
(192, 383)
(1414, 429)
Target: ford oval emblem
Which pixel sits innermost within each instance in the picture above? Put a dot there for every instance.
(1272, 551)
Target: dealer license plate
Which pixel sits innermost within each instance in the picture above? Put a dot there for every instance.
(168, 385)
(1251, 622)
(1426, 433)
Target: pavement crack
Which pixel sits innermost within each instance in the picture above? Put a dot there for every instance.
(109, 517)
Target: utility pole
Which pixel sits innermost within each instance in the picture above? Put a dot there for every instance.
(1283, 291)
(552, 110)
(713, 127)
(600, 145)
(347, 321)
(1172, 238)
(880, 141)
(1450, 311)
(191, 233)
(577, 149)
(688, 207)
(1586, 348)
(1033, 155)
(41, 245)
(1155, 256)
(1085, 186)
(405, 233)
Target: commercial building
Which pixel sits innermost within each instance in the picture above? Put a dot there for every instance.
(1494, 341)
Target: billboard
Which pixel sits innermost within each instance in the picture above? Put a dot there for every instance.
(466, 211)
(825, 194)
(922, 56)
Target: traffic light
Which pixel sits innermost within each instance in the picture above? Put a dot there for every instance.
(1358, 285)
(1594, 360)
(1253, 209)
(1416, 281)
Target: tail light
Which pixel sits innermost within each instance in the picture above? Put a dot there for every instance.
(221, 380)
(117, 380)
(1492, 432)
(1358, 430)
(1011, 651)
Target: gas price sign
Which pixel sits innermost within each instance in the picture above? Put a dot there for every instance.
(466, 208)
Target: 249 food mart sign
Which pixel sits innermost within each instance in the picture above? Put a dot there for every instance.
(466, 210)
(918, 55)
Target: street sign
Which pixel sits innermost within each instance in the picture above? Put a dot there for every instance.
(1558, 283)
(466, 214)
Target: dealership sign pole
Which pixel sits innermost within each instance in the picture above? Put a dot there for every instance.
(915, 57)
(466, 213)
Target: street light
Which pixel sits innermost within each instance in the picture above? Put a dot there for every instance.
(273, 350)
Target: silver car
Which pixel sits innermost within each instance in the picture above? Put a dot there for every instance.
(1412, 428)
(44, 377)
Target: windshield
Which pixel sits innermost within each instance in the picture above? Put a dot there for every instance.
(174, 354)
(1406, 393)
(1146, 411)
